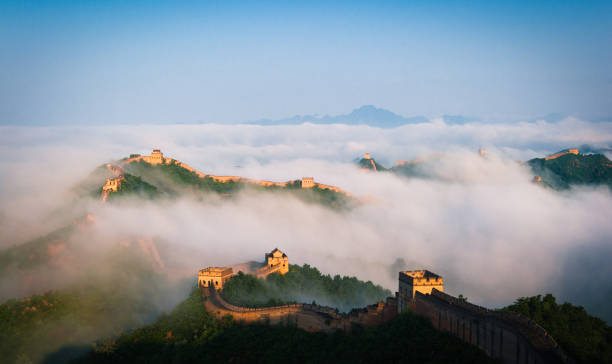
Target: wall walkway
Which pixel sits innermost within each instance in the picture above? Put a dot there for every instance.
(504, 335)
(305, 316)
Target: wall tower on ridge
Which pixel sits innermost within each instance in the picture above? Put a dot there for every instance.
(308, 182)
(413, 281)
(214, 276)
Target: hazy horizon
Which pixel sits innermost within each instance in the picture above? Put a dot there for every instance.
(226, 62)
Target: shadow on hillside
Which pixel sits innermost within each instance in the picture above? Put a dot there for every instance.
(66, 354)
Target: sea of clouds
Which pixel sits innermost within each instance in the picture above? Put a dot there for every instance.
(483, 225)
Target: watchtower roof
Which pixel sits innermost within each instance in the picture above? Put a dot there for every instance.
(271, 254)
(216, 271)
(416, 277)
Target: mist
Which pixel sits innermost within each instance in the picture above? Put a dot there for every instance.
(492, 234)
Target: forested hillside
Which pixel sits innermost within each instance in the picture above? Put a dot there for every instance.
(586, 338)
(571, 169)
(189, 334)
(171, 180)
(121, 293)
(303, 284)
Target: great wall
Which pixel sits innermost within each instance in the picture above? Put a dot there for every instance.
(500, 334)
(157, 157)
(309, 317)
(561, 154)
(503, 335)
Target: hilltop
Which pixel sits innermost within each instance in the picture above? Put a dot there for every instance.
(559, 171)
(570, 168)
(368, 163)
(155, 176)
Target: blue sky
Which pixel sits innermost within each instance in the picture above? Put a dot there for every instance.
(156, 62)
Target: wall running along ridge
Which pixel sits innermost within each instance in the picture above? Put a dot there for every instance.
(309, 317)
(157, 158)
(502, 335)
(561, 154)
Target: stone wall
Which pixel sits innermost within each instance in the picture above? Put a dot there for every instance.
(309, 317)
(561, 154)
(504, 335)
(223, 179)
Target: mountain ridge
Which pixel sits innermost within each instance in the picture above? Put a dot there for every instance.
(364, 115)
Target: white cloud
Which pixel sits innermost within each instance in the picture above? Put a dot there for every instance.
(485, 227)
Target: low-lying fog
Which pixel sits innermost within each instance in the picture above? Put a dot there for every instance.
(484, 226)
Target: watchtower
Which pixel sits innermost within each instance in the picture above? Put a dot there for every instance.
(422, 281)
(278, 261)
(156, 157)
(113, 184)
(308, 182)
(214, 276)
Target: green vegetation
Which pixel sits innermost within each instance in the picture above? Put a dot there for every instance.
(189, 335)
(367, 164)
(173, 180)
(303, 284)
(571, 169)
(134, 185)
(335, 200)
(120, 293)
(585, 338)
(32, 253)
(421, 169)
(559, 173)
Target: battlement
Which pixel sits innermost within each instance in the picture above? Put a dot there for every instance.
(277, 260)
(421, 278)
(310, 317)
(561, 154)
(413, 281)
(216, 271)
(113, 184)
(214, 276)
(308, 182)
(500, 334)
(157, 157)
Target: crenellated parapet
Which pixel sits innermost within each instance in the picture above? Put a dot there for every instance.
(504, 335)
(112, 184)
(414, 281)
(561, 154)
(214, 276)
(310, 317)
(157, 157)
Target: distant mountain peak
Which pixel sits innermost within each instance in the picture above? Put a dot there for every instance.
(364, 115)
